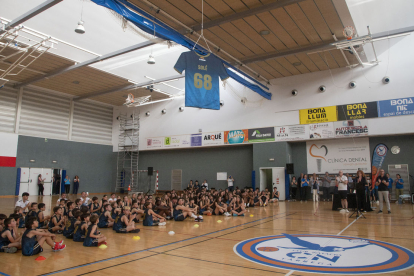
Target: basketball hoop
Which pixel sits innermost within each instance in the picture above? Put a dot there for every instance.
(349, 32)
(130, 99)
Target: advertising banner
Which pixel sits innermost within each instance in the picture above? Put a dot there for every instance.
(320, 131)
(396, 107)
(196, 140)
(236, 136)
(266, 134)
(357, 111)
(155, 143)
(213, 138)
(378, 156)
(318, 115)
(177, 141)
(291, 133)
(348, 155)
(351, 128)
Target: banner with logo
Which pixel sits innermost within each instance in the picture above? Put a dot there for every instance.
(396, 107)
(213, 138)
(351, 128)
(318, 115)
(321, 130)
(155, 143)
(357, 111)
(236, 136)
(291, 133)
(265, 134)
(196, 140)
(348, 155)
(378, 156)
(177, 141)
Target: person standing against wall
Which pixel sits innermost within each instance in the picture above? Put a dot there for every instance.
(75, 185)
(382, 184)
(390, 182)
(326, 184)
(315, 187)
(342, 182)
(304, 188)
(360, 186)
(399, 187)
(230, 183)
(40, 184)
(293, 188)
(67, 184)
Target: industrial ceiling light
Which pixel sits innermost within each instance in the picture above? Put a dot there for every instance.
(80, 29)
(151, 60)
(264, 32)
(297, 63)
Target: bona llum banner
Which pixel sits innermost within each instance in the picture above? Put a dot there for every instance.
(347, 155)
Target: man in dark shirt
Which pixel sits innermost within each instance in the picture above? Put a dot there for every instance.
(382, 183)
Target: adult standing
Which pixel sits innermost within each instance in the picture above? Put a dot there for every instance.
(304, 188)
(67, 184)
(351, 184)
(326, 184)
(314, 182)
(293, 188)
(57, 184)
(360, 187)
(399, 186)
(390, 182)
(299, 189)
(382, 184)
(75, 185)
(342, 182)
(230, 183)
(41, 184)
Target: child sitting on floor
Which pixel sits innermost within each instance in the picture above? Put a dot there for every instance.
(92, 237)
(9, 239)
(43, 220)
(33, 239)
(56, 223)
(80, 227)
(149, 214)
(105, 219)
(124, 222)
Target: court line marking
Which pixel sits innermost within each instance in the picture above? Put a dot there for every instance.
(1, 273)
(144, 250)
(325, 244)
(209, 239)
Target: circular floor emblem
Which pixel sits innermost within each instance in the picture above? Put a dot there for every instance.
(326, 254)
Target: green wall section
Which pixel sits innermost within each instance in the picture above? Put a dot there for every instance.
(201, 163)
(94, 164)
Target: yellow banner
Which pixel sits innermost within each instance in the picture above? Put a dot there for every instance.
(318, 115)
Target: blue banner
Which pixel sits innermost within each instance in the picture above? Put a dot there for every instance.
(378, 157)
(196, 140)
(396, 107)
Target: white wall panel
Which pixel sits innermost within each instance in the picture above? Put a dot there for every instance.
(92, 123)
(44, 115)
(8, 105)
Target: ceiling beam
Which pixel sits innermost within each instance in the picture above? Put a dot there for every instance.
(127, 87)
(243, 14)
(32, 13)
(91, 61)
(326, 46)
(319, 47)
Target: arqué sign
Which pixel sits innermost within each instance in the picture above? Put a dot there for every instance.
(327, 254)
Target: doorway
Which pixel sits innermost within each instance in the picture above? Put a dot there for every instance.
(29, 177)
(273, 177)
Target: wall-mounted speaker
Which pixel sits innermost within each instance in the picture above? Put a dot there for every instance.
(289, 168)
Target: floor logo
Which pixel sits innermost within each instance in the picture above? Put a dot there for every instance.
(326, 254)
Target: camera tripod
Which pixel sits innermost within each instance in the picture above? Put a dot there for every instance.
(358, 211)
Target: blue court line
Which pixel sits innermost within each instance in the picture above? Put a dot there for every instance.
(1, 273)
(152, 248)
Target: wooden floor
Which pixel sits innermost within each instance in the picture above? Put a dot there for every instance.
(208, 249)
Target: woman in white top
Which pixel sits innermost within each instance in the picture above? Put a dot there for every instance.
(342, 183)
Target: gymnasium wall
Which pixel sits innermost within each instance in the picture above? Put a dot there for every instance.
(94, 164)
(201, 163)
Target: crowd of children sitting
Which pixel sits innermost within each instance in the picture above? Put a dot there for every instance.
(81, 220)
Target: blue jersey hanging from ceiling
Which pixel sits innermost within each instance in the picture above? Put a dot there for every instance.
(202, 88)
